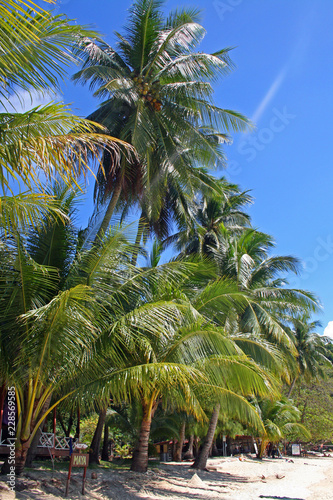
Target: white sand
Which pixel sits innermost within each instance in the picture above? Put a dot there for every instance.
(228, 479)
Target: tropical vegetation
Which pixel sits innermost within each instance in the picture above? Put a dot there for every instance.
(212, 339)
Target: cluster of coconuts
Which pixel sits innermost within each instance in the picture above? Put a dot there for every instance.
(149, 92)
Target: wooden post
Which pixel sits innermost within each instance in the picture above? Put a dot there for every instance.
(54, 429)
(77, 460)
(69, 476)
(84, 479)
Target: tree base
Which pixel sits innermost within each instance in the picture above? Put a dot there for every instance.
(138, 468)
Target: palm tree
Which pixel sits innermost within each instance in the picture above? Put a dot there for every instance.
(51, 317)
(159, 99)
(222, 302)
(245, 259)
(214, 213)
(46, 141)
(311, 351)
(94, 322)
(279, 417)
(250, 275)
(181, 357)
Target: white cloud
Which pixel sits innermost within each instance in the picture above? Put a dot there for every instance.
(277, 82)
(328, 332)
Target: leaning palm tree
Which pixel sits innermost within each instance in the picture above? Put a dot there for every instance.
(166, 368)
(158, 98)
(249, 275)
(222, 302)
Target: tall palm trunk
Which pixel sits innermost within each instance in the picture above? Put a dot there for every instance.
(137, 240)
(179, 447)
(201, 460)
(140, 455)
(109, 211)
(196, 446)
(96, 440)
(291, 388)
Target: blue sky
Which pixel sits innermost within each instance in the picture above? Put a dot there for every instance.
(284, 82)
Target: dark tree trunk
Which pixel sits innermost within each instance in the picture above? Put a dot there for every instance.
(174, 447)
(21, 453)
(179, 445)
(20, 457)
(67, 430)
(62, 423)
(201, 460)
(96, 440)
(78, 423)
(189, 453)
(215, 451)
(105, 449)
(140, 455)
(32, 452)
(196, 446)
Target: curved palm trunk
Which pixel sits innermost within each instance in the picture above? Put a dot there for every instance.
(109, 212)
(179, 447)
(140, 454)
(96, 440)
(291, 388)
(201, 460)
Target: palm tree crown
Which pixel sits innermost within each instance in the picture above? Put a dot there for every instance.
(158, 97)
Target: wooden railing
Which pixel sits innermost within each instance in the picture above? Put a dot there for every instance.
(47, 440)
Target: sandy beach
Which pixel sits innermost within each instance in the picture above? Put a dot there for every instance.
(228, 479)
